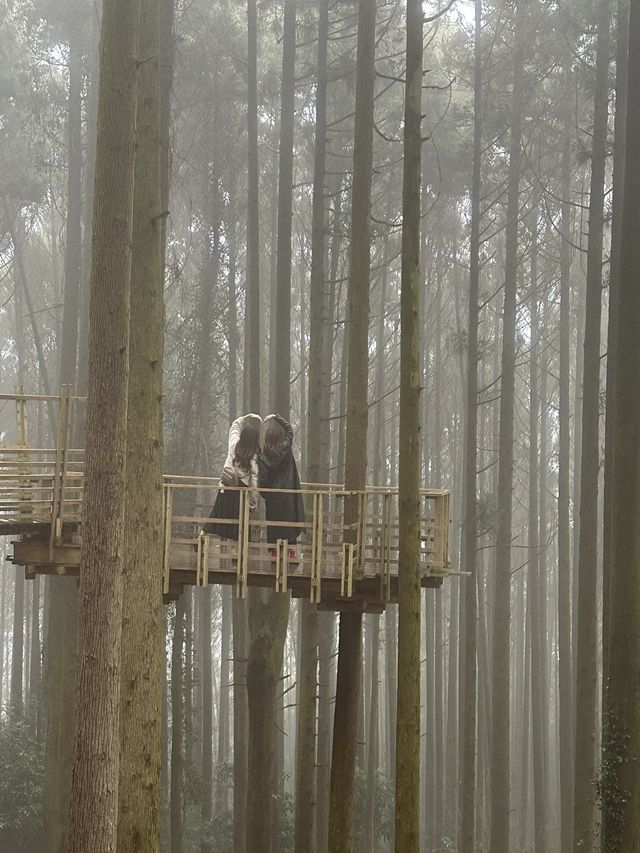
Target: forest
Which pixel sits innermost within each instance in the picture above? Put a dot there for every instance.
(396, 244)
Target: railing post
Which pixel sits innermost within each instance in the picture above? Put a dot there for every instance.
(59, 476)
(204, 574)
(239, 548)
(24, 483)
(316, 577)
(166, 555)
(386, 544)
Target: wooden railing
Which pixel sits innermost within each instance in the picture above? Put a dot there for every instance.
(41, 492)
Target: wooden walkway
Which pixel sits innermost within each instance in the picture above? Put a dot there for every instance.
(337, 566)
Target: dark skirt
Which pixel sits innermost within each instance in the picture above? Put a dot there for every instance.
(284, 507)
(226, 506)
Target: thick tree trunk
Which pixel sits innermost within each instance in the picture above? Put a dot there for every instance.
(268, 616)
(142, 622)
(94, 795)
(584, 809)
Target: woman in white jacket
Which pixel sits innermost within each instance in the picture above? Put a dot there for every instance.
(240, 470)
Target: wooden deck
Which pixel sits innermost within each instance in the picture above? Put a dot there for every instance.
(336, 566)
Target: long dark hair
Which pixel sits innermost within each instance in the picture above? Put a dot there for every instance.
(248, 446)
(274, 438)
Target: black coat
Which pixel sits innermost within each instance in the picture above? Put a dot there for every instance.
(281, 472)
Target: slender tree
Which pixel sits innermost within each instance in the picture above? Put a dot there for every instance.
(500, 760)
(349, 645)
(621, 804)
(468, 659)
(407, 821)
(584, 809)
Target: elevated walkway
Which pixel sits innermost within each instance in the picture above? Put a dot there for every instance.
(337, 566)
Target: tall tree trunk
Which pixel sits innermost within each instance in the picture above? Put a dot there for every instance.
(252, 296)
(318, 408)
(534, 579)
(317, 463)
(407, 819)
(94, 793)
(500, 763)
(142, 618)
(282, 398)
(269, 612)
(349, 646)
(622, 45)
(584, 810)
(565, 655)
(177, 725)
(468, 658)
(73, 250)
(622, 713)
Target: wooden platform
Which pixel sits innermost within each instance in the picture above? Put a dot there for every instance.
(337, 566)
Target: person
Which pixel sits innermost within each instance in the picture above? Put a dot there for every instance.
(277, 469)
(240, 469)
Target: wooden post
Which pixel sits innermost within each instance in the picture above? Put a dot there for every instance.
(62, 440)
(168, 513)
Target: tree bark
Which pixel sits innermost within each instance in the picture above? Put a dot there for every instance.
(240, 723)
(306, 728)
(252, 296)
(622, 713)
(500, 761)
(584, 810)
(142, 618)
(94, 794)
(177, 726)
(565, 655)
(282, 307)
(349, 647)
(468, 657)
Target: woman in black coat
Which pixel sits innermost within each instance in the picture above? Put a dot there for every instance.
(277, 470)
